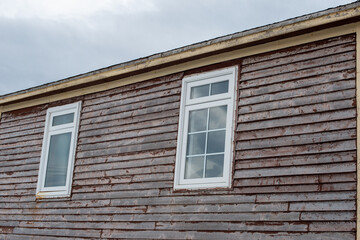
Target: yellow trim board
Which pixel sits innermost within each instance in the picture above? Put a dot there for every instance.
(357, 130)
(191, 52)
(271, 46)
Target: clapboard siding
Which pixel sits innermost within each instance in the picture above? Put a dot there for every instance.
(294, 158)
(296, 133)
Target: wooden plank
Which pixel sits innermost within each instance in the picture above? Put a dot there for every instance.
(127, 98)
(328, 216)
(297, 170)
(15, 135)
(151, 83)
(297, 150)
(130, 127)
(330, 42)
(297, 101)
(299, 57)
(298, 75)
(21, 128)
(56, 204)
(127, 149)
(125, 172)
(20, 162)
(310, 159)
(23, 138)
(116, 234)
(17, 180)
(302, 139)
(28, 113)
(128, 157)
(131, 138)
(115, 194)
(120, 187)
(298, 120)
(27, 237)
(20, 150)
(31, 185)
(22, 122)
(22, 167)
(323, 206)
(233, 226)
(351, 186)
(131, 113)
(298, 66)
(291, 180)
(297, 129)
(20, 144)
(58, 232)
(223, 208)
(130, 107)
(130, 120)
(305, 197)
(184, 200)
(19, 174)
(271, 181)
(294, 111)
(126, 164)
(90, 225)
(328, 77)
(332, 226)
(127, 136)
(20, 156)
(289, 95)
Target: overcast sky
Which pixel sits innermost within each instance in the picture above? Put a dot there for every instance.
(47, 40)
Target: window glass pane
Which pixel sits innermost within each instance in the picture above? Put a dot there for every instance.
(194, 167)
(219, 87)
(58, 160)
(63, 119)
(197, 120)
(216, 141)
(200, 91)
(214, 165)
(196, 144)
(217, 117)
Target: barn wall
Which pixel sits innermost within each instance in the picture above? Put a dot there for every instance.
(295, 159)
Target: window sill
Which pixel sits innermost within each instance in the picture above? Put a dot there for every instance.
(49, 195)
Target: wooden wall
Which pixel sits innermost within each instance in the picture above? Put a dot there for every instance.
(295, 159)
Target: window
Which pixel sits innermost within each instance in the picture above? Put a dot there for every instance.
(205, 139)
(58, 151)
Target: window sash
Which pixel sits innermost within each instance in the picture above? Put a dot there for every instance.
(68, 172)
(187, 105)
(58, 191)
(228, 131)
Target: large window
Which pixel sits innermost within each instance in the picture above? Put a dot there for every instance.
(58, 151)
(204, 150)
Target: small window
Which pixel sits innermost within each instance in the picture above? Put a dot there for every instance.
(204, 150)
(58, 151)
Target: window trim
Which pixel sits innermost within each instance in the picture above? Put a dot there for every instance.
(61, 191)
(187, 105)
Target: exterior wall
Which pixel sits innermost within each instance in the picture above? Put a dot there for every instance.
(295, 159)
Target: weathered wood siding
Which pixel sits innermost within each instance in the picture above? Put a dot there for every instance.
(295, 159)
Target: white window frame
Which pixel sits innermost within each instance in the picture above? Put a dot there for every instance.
(63, 191)
(188, 105)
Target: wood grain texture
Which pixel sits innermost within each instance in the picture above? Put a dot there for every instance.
(294, 159)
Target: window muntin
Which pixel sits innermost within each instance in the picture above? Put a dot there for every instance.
(204, 153)
(58, 151)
